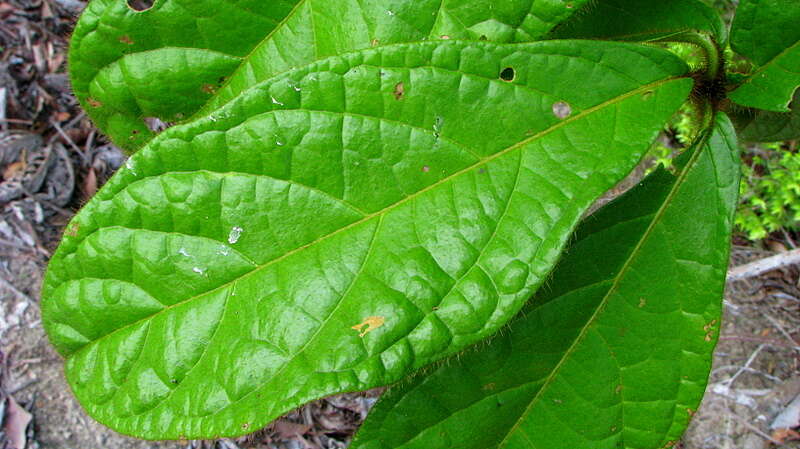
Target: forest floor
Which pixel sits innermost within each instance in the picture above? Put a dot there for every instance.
(52, 160)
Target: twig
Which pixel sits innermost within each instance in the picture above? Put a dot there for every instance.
(782, 330)
(749, 370)
(765, 341)
(754, 429)
(67, 138)
(762, 266)
(16, 120)
(11, 244)
(14, 290)
(749, 362)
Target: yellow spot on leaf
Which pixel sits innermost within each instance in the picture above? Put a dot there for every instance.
(72, 230)
(369, 325)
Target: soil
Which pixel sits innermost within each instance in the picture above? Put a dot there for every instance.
(52, 160)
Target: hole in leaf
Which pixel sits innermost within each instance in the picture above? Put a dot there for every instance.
(562, 109)
(156, 125)
(140, 5)
(508, 74)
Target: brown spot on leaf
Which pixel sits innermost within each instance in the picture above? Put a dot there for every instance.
(126, 40)
(490, 386)
(93, 103)
(209, 89)
(399, 91)
(375, 42)
(642, 303)
(369, 325)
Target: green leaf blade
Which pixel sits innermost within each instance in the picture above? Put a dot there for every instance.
(117, 54)
(324, 233)
(767, 126)
(311, 32)
(111, 36)
(606, 357)
(631, 20)
(766, 33)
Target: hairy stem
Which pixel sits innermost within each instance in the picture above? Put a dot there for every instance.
(707, 44)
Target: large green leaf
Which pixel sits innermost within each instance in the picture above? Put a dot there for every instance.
(340, 225)
(765, 126)
(635, 20)
(615, 352)
(169, 60)
(767, 32)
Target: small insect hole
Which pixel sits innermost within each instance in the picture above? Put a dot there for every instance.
(140, 5)
(508, 74)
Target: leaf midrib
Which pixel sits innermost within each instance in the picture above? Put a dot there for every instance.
(393, 206)
(699, 149)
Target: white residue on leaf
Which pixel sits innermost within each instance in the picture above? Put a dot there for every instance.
(199, 270)
(236, 232)
(275, 101)
(184, 253)
(130, 165)
(224, 251)
(390, 12)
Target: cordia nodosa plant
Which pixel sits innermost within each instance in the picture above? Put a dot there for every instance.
(355, 190)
